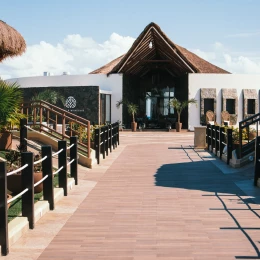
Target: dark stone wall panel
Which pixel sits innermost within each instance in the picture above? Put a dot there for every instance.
(86, 97)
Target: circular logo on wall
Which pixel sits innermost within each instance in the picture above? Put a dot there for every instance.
(70, 102)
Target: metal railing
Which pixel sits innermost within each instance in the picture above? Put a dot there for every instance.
(27, 177)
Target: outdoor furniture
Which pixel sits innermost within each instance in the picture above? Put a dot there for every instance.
(210, 117)
(225, 117)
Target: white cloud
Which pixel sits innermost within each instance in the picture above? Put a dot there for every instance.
(80, 55)
(232, 62)
(75, 54)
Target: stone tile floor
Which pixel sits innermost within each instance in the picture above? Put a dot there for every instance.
(154, 197)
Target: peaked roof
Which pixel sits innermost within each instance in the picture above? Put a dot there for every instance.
(154, 50)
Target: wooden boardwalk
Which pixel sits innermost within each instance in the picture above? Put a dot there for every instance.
(154, 197)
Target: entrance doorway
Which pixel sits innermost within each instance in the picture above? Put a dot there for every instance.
(105, 109)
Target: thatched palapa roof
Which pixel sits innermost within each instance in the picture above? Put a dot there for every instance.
(11, 42)
(153, 49)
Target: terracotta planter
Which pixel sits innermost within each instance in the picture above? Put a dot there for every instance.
(134, 126)
(14, 182)
(5, 140)
(8, 198)
(178, 126)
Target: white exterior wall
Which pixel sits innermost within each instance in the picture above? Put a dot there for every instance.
(112, 84)
(219, 81)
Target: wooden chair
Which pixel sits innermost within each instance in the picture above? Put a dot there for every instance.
(210, 117)
(225, 117)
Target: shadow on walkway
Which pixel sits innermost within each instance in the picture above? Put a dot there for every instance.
(205, 176)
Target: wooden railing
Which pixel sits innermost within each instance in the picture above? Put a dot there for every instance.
(217, 139)
(245, 124)
(106, 138)
(47, 117)
(28, 183)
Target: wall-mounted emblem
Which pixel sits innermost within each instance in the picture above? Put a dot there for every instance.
(70, 102)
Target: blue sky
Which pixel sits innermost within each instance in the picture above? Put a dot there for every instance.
(225, 32)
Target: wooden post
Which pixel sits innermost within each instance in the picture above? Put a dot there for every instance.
(221, 140)
(103, 140)
(113, 135)
(40, 117)
(212, 137)
(89, 136)
(3, 211)
(48, 189)
(216, 139)
(62, 161)
(110, 137)
(63, 125)
(257, 160)
(107, 138)
(28, 183)
(208, 135)
(74, 155)
(229, 145)
(23, 134)
(97, 144)
(240, 141)
(117, 133)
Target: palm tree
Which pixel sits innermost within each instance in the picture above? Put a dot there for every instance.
(179, 106)
(10, 102)
(132, 110)
(50, 96)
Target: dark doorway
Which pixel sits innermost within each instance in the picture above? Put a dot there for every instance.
(105, 109)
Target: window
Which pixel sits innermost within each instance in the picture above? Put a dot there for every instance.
(230, 106)
(251, 106)
(208, 104)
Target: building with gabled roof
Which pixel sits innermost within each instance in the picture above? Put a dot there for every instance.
(151, 74)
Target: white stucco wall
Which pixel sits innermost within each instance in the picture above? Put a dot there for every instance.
(219, 81)
(111, 84)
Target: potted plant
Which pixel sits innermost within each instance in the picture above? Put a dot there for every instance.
(11, 98)
(14, 181)
(132, 110)
(179, 106)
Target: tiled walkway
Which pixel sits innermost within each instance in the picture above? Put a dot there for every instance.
(154, 197)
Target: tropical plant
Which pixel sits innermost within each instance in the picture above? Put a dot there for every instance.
(132, 110)
(11, 98)
(131, 107)
(180, 105)
(50, 96)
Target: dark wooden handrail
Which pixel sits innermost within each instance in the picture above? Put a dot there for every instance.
(64, 115)
(38, 103)
(246, 123)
